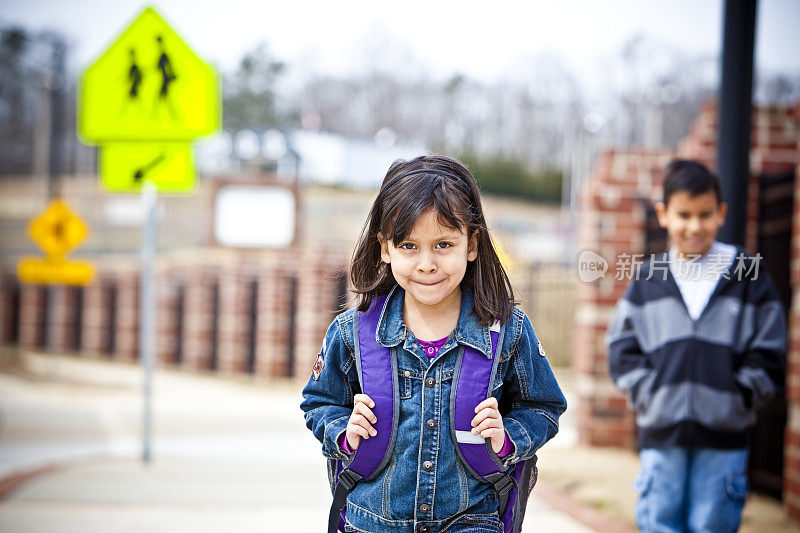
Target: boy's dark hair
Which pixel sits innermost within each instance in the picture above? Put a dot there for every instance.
(451, 190)
(690, 176)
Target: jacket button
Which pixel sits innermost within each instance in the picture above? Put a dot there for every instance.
(407, 373)
(430, 382)
(424, 529)
(431, 423)
(427, 465)
(424, 508)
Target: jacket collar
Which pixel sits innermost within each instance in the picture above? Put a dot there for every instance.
(392, 330)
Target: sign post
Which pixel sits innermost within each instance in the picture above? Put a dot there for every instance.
(143, 101)
(147, 306)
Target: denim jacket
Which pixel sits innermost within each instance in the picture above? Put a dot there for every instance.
(425, 483)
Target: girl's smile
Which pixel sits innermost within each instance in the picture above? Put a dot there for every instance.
(430, 263)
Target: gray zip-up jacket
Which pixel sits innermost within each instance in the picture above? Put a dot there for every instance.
(698, 383)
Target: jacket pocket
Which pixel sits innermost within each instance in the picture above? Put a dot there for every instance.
(642, 393)
(736, 486)
(643, 482)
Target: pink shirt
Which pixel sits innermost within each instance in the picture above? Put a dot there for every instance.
(431, 349)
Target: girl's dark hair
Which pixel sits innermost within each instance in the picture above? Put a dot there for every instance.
(450, 189)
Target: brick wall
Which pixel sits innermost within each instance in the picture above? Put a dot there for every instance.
(191, 286)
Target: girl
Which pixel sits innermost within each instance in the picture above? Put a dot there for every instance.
(426, 254)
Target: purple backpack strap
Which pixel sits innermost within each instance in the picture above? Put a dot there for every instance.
(472, 383)
(377, 376)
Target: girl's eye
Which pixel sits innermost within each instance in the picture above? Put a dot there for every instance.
(406, 246)
(444, 245)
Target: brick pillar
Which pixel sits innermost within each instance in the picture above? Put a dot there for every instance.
(63, 318)
(198, 320)
(234, 318)
(10, 298)
(612, 224)
(315, 309)
(127, 313)
(272, 337)
(96, 317)
(168, 307)
(791, 470)
(33, 316)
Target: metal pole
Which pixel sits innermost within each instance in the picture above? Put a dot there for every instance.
(735, 113)
(55, 168)
(147, 307)
(57, 118)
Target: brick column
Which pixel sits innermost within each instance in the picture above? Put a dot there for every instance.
(234, 319)
(10, 308)
(63, 318)
(612, 224)
(272, 333)
(33, 316)
(316, 307)
(198, 320)
(167, 305)
(791, 470)
(127, 313)
(96, 318)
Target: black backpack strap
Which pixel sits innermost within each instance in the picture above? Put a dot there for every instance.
(345, 484)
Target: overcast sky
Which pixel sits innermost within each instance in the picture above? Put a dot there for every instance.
(448, 36)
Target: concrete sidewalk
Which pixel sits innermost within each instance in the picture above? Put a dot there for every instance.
(228, 453)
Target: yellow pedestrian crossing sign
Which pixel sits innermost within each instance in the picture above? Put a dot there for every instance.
(169, 166)
(51, 270)
(143, 101)
(58, 229)
(148, 85)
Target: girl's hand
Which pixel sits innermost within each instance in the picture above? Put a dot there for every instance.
(360, 422)
(489, 423)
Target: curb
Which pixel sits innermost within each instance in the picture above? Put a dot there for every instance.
(15, 480)
(579, 511)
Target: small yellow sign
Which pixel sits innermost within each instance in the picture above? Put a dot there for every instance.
(58, 229)
(148, 85)
(169, 166)
(54, 270)
(505, 259)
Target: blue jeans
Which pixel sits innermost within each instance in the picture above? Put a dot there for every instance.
(691, 490)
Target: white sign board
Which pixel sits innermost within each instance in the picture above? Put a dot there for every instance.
(253, 216)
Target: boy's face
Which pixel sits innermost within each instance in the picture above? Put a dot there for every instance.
(692, 222)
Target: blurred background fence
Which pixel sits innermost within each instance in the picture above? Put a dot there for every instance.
(263, 314)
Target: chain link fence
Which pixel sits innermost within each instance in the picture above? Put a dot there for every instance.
(547, 293)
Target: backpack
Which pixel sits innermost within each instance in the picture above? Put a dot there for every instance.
(472, 379)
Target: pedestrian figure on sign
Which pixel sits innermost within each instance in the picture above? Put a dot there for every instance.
(135, 76)
(167, 77)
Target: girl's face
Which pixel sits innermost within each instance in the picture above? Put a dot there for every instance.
(430, 263)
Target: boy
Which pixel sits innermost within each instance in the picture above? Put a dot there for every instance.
(698, 342)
